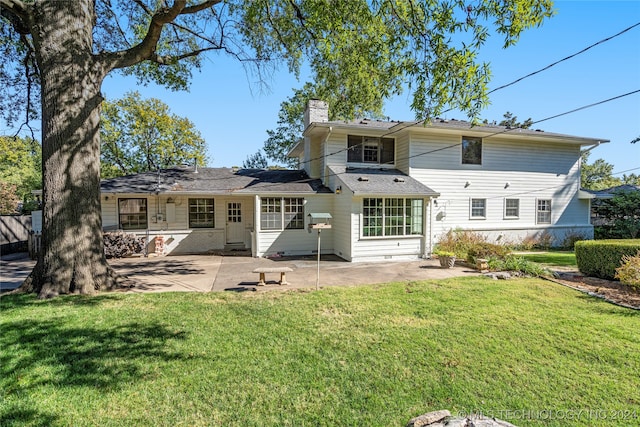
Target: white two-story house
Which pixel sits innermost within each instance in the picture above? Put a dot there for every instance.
(392, 189)
(399, 186)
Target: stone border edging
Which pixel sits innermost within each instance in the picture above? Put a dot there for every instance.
(593, 294)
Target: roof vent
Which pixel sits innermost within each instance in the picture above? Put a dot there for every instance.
(363, 179)
(398, 179)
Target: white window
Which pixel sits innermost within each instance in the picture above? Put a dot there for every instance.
(391, 217)
(278, 211)
(511, 208)
(543, 213)
(132, 214)
(201, 213)
(478, 208)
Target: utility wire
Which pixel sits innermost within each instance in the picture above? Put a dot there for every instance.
(514, 82)
(564, 59)
(628, 170)
(460, 143)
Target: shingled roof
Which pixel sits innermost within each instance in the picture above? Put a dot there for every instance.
(383, 182)
(449, 124)
(215, 181)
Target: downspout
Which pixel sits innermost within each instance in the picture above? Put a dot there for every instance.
(431, 202)
(256, 227)
(326, 156)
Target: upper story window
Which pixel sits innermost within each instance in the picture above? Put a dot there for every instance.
(370, 149)
(132, 214)
(471, 151)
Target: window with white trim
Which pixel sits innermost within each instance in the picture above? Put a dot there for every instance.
(278, 213)
(201, 213)
(478, 208)
(370, 149)
(511, 208)
(543, 211)
(132, 214)
(391, 217)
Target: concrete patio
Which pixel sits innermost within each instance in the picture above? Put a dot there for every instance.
(206, 273)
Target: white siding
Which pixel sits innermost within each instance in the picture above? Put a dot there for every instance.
(402, 154)
(516, 170)
(381, 248)
(342, 232)
(298, 242)
(179, 238)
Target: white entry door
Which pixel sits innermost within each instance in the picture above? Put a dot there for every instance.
(235, 225)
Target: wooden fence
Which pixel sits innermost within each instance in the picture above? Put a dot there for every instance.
(14, 232)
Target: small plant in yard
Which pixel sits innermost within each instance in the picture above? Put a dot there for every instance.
(519, 264)
(629, 272)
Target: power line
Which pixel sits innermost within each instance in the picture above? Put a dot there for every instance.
(628, 170)
(409, 124)
(564, 59)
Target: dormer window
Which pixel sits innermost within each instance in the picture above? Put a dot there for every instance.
(369, 149)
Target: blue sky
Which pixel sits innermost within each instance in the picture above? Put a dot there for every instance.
(233, 113)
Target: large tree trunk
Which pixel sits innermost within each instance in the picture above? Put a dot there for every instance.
(72, 257)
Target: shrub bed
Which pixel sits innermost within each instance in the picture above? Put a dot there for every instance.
(600, 258)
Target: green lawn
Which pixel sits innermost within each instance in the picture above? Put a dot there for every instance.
(552, 258)
(358, 356)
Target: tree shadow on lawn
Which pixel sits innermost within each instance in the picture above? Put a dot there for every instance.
(48, 353)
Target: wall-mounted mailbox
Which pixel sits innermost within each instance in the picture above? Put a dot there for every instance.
(319, 221)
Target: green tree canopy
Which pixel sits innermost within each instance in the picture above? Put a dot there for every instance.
(20, 170)
(140, 135)
(597, 175)
(359, 50)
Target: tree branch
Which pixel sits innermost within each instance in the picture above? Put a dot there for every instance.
(16, 12)
(198, 7)
(147, 47)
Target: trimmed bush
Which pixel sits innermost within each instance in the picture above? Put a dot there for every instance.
(600, 258)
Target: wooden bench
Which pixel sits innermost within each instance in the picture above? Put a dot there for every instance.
(263, 270)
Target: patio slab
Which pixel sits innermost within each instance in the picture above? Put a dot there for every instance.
(206, 273)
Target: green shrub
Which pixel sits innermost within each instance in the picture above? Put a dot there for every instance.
(600, 258)
(486, 250)
(629, 272)
(459, 242)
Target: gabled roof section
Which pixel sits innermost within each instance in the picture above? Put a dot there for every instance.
(381, 182)
(215, 181)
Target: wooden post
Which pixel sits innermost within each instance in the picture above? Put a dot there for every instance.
(318, 275)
